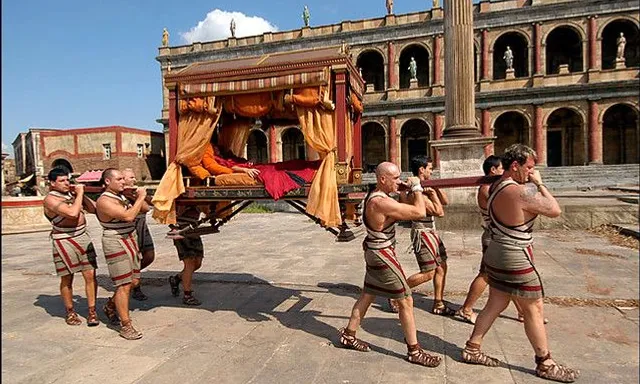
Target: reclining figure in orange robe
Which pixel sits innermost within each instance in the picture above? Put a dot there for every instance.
(241, 173)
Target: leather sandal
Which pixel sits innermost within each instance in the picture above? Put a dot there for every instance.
(441, 308)
(109, 310)
(72, 318)
(472, 354)
(555, 372)
(421, 357)
(467, 317)
(351, 342)
(92, 318)
(128, 332)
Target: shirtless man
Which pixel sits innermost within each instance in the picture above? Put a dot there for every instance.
(515, 200)
(428, 247)
(117, 217)
(145, 241)
(73, 249)
(384, 275)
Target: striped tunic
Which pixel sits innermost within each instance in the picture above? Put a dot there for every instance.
(427, 245)
(120, 245)
(509, 256)
(384, 275)
(73, 250)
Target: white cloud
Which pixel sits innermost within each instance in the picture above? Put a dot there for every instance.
(216, 26)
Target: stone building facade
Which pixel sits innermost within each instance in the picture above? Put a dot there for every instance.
(83, 149)
(569, 93)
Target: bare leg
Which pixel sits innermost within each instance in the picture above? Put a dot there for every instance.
(121, 299)
(191, 264)
(478, 285)
(90, 287)
(497, 303)
(420, 278)
(407, 320)
(359, 310)
(66, 291)
(439, 281)
(534, 324)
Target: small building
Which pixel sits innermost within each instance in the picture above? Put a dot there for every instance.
(82, 149)
(8, 171)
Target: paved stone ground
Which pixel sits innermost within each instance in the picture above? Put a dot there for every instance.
(275, 288)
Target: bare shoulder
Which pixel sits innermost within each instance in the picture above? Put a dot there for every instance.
(528, 191)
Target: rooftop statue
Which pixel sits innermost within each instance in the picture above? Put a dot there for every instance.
(165, 37)
(306, 16)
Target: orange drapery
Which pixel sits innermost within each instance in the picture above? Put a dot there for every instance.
(198, 119)
(317, 122)
(234, 135)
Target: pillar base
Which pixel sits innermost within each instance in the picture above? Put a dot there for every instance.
(370, 88)
(461, 132)
(413, 83)
(620, 64)
(437, 90)
(564, 69)
(459, 158)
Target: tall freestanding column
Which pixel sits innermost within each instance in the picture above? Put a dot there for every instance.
(458, 76)
(461, 148)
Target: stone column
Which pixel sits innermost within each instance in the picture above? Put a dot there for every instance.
(458, 77)
(539, 136)
(486, 131)
(437, 135)
(391, 67)
(393, 141)
(595, 134)
(537, 35)
(437, 47)
(485, 55)
(593, 57)
(273, 145)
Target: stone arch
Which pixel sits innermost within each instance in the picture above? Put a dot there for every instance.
(609, 35)
(371, 63)
(509, 128)
(415, 136)
(566, 138)
(257, 147)
(374, 145)
(519, 45)
(421, 54)
(564, 45)
(293, 145)
(62, 163)
(620, 135)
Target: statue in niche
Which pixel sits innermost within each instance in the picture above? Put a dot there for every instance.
(232, 28)
(389, 7)
(165, 37)
(621, 42)
(360, 71)
(306, 15)
(413, 69)
(508, 58)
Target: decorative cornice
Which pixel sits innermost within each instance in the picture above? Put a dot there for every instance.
(535, 96)
(512, 17)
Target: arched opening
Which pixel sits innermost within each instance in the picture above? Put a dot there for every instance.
(62, 163)
(620, 135)
(374, 148)
(371, 65)
(510, 128)
(565, 138)
(421, 56)
(610, 36)
(293, 147)
(414, 138)
(517, 44)
(563, 46)
(257, 151)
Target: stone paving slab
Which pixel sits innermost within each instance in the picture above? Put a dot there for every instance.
(275, 289)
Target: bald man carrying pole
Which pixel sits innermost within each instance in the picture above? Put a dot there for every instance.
(145, 241)
(384, 275)
(120, 246)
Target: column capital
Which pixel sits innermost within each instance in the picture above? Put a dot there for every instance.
(538, 103)
(594, 99)
(592, 17)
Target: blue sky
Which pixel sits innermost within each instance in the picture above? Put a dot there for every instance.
(74, 64)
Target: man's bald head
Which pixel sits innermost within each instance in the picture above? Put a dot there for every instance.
(129, 177)
(386, 168)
